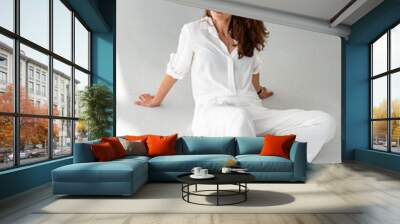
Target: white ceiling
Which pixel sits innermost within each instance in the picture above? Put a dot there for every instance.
(320, 9)
(313, 15)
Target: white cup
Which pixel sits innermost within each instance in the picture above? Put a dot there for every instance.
(196, 171)
(203, 172)
(226, 170)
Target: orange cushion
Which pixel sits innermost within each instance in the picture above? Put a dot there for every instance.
(161, 145)
(136, 138)
(116, 145)
(277, 145)
(103, 152)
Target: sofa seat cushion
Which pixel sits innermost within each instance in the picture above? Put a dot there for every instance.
(112, 171)
(185, 163)
(257, 163)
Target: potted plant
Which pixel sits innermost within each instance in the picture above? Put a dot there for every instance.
(96, 104)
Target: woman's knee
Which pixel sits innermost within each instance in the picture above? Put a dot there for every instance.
(240, 115)
(327, 124)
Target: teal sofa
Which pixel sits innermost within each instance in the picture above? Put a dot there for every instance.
(125, 176)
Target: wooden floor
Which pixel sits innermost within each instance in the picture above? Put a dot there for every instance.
(378, 189)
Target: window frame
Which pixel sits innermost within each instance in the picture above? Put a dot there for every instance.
(388, 74)
(16, 115)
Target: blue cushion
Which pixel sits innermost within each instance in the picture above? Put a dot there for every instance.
(257, 163)
(249, 145)
(83, 153)
(195, 145)
(185, 163)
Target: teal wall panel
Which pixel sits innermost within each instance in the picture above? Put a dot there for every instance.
(24, 178)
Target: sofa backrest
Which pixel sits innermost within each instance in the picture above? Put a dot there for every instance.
(192, 145)
(249, 145)
(83, 152)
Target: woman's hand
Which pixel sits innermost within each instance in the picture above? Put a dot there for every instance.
(265, 93)
(147, 100)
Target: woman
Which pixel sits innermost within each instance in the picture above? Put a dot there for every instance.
(220, 51)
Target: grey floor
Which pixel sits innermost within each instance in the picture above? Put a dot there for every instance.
(377, 188)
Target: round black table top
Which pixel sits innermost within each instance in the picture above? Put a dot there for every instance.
(220, 178)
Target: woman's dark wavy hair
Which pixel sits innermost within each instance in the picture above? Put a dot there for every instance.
(250, 34)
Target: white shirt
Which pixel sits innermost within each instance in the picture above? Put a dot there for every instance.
(216, 74)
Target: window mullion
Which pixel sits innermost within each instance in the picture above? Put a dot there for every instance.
(371, 89)
(73, 82)
(16, 84)
(50, 81)
(389, 101)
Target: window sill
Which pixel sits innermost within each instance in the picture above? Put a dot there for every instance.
(381, 159)
(25, 167)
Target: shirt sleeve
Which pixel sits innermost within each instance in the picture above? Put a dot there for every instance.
(256, 63)
(180, 62)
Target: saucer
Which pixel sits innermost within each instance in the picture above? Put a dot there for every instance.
(208, 176)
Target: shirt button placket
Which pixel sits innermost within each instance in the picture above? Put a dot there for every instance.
(231, 75)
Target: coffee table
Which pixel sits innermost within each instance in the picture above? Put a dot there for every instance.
(238, 179)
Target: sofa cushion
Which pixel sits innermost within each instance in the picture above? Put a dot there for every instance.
(116, 145)
(185, 163)
(195, 145)
(135, 147)
(249, 145)
(103, 152)
(111, 171)
(159, 145)
(83, 152)
(257, 163)
(277, 145)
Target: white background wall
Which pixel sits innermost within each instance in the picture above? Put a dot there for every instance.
(302, 68)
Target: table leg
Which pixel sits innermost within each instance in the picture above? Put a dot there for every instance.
(245, 193)
(195, 188)
(188, 190)
(217, 194)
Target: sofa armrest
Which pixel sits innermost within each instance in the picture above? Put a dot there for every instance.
(83, 152)
(298, 155)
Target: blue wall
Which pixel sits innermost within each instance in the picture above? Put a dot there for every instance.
(356, 87)
(99, 15)
(24, 178)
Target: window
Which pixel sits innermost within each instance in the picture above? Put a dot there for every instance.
(81, 45)
(6, 142)
(7, 14)
(61, 74)
(385, 91)
(30, 88)
(3, 61)
(41, 124)
(6, 72)
(44, 91)
(3, 78)
(34, 21)
(38, 73)
(62, 32)
(37, 90)
(30, 72)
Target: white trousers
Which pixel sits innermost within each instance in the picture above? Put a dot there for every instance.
(314, 127)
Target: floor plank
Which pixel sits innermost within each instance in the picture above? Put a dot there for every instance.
(376, 189)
